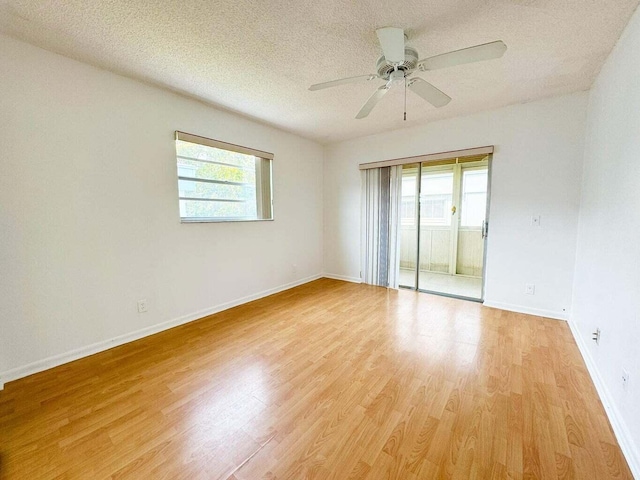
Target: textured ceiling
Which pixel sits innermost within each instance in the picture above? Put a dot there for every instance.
(258, 57)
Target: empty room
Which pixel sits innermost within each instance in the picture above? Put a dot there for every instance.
(319, 240)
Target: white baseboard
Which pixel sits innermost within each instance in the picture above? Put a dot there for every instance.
(342, 277)
(529, 311)
(627, 445)
(60, 359)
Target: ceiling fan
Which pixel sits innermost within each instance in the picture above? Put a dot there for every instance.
(400, 62)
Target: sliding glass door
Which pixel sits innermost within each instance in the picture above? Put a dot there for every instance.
(408, 243)
(443, 229)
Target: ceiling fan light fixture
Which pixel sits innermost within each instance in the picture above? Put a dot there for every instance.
(396, 78)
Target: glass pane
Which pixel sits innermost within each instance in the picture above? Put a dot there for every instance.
(214, 171)
(202, 152)
(408, 221)
(436, 199)
(474, 198)
(473, 210)
(205, 209)
(436, 195)
(192, 189)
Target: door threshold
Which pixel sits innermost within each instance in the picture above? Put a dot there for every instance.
(452, 295)
(442, 294)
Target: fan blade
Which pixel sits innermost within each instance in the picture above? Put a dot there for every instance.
(479, 53)
(430, 93)
(372, 102)
(392, 42)
(342, 81)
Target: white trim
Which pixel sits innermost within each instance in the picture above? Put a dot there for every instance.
(539, 312)
(62, 358)
(629, 450)
(344, 278)
(210, 142)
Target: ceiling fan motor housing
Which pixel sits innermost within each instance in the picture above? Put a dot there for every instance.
(409, 64)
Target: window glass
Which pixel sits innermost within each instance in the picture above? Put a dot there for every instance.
(215, 184)
(436, 196)
(474, 197)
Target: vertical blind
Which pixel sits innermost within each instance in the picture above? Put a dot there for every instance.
(380, 219)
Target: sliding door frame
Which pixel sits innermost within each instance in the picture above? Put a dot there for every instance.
(485, 227)
(457, 198)
(418, 217)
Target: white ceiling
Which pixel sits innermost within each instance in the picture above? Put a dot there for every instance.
(258, 57)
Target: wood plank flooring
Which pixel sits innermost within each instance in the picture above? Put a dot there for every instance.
(329, 380)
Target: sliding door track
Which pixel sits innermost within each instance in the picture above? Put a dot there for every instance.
(443, 294)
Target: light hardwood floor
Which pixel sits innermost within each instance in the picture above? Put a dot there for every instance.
(329, 380)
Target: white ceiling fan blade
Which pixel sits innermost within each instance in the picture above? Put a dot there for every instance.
(342, 81)
(479, 53)
(372, 102)
(430, 93)
(392, 42)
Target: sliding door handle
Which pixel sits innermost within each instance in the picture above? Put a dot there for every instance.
(485, 228)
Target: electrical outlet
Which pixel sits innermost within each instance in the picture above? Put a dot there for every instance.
(535, 220)
(530, 289)
(625, 379)
(142, 306)
(596, 336)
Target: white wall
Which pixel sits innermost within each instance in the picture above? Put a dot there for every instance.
(89, 219)
(537, 169)
(607, 279)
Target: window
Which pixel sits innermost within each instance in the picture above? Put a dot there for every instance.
(436, 197)
(222, 182)
(408, 209)
(474, 197)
